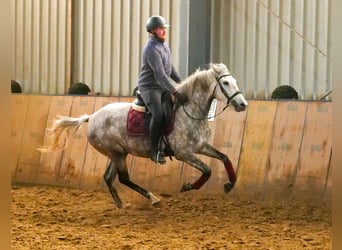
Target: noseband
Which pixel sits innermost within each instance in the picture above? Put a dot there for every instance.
(229, 98)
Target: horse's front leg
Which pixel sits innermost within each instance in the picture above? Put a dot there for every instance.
(210, 151)
(193, 161)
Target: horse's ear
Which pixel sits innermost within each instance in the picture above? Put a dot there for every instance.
(219, 68)
(214, 67)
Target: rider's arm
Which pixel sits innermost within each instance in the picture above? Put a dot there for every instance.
(156, 64)
(175, 76)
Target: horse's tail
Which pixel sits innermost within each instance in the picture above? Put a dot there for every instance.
(63, 124)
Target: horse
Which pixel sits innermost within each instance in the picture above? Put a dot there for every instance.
(107, 131)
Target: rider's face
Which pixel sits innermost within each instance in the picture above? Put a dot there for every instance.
(160, 33)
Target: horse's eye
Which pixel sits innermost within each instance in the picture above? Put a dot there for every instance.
(226, 83)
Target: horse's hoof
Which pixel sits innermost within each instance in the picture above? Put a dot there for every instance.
(228, 186)
(123, 205)
(126, 205)
(186, 187)
(154, 199)
(118, 204)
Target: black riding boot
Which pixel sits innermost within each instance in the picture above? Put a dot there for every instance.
(155, 133)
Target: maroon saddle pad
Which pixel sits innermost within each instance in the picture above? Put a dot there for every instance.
(136, 122)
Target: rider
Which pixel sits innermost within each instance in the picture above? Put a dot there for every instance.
(155, 83)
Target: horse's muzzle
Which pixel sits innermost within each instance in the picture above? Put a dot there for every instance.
(239, 105)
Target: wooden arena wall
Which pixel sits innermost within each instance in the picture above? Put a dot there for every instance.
(280, 149)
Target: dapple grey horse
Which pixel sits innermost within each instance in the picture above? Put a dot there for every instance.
(107, 131)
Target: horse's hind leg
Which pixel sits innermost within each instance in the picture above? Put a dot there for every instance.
(124, 179)
(109, 177)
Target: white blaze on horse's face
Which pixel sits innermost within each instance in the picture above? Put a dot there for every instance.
(230, 90)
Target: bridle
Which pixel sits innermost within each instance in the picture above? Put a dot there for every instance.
(229, 98)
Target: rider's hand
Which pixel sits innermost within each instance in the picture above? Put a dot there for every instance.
(181, 98)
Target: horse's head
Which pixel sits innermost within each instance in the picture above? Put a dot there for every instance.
(227, 89)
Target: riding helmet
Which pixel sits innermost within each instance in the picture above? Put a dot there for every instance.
(156, 22)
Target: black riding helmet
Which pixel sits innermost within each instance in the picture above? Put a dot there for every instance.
(156, 22)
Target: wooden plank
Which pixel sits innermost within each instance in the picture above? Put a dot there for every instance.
(315, 151)
(33, 136)
(328, 186)
(74, 155)
(19, 108)
(95, 163)
(50, 163)
(126, 99)
(284, 152)
(228, 139)
(255, 148)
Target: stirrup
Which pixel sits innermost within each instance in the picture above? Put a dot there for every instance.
(158, 158)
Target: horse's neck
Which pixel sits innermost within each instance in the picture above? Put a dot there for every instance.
(200, 102)
(199, 88)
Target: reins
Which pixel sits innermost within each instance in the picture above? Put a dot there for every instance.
(204, 118)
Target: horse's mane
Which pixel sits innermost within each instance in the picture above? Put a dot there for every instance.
(199, 76)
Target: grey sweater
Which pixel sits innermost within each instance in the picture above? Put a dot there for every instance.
(157, 67)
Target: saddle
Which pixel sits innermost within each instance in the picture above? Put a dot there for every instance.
(139, 118)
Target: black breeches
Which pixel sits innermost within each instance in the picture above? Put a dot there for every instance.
(159, 104)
